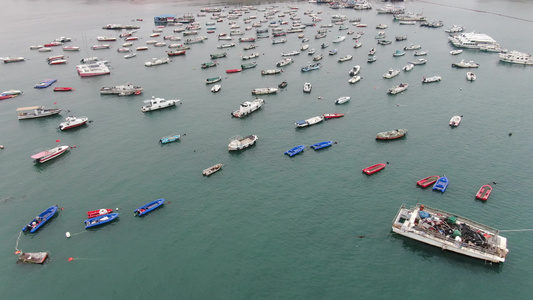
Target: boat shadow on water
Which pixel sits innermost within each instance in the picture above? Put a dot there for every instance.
(429, 253)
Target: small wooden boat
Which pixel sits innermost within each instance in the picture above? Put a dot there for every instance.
(484, 192)
(212, 169)
(425, 182)
(333, 116)
(33, 257)
(441, 184)
(455, 121)
(63, 89)
(100, 220)
(148, 207)
(373, 169)
(169, 139)
(98, 212)
(293, 151)
(322, 145)
(39, 221)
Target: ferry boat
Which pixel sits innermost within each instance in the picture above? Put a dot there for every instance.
(32, 112)
(48, 154)
(239, 143)
(472, 40)
(96, 69)
(450, 232)
(72, 122)
(247, 108)
(516, 57)
(121, 90)
(158, 103)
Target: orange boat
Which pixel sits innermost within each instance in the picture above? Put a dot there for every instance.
(373, 169)
(484, 192)
(427, 181)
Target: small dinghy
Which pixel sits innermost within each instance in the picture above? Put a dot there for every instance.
(212, 169)
(98, 212)
(141, 211)
(169, 139)
(40, 219)
(293, 151)
(425, 182)
(322, 145)
(441, 184)
(484, 192)
(373, 169)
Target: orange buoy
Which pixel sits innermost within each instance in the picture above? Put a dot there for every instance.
(17, 252)
(70, 258)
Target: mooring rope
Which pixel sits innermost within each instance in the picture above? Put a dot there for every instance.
(17, 243)
(509, 230)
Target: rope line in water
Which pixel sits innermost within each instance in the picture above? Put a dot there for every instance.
(17, 243)
(509, 230)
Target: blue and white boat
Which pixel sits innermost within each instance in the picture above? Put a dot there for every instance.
(40, 219)
(441, 184)
(92, 222)
(311, 67)
(322, 145)
(45, 83)
(148, 207)
(293, 151)
(398, 53)
(169, 139)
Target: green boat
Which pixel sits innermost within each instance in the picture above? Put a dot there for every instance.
(249, 65)
(213, 80)
(218, 55)
(209, 65)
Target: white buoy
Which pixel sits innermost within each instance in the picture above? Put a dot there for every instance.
(116, 208)
(67, 234)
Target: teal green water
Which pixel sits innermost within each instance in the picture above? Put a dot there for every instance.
(266, 226)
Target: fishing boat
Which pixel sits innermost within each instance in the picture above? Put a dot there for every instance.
(121, 90)
(63, 89)
(239, 143)
(425, 182)
(213, 80)
(322, 145)
(371, 59)
(295, 150)
(307, 87)
(310, 121)
(45, 83)
(216, 88)
(39, 221)
(431, 79)
(148, 207)
(212, 169)
(100, 220)
(391, 134)
(48, 154)
(169, 139)
(470, 76)
(345, 58)
(398, 88)
(391, 73)
(271, 72)
(398, 53)
(176, 53)
(451, 232)
(249, 65)
(342, 100)
(156, 62)
(32, 112)
(332, 116)
(158, 103)
(264, 91)
(218, 55)
(465, 64)
(311, 67)
(484, 192)
(284, 62)
(33, 257)
(441, 184)
(283, 84)
(209, 64)
(373, 169)
(72, 122)
(318, 57)
(455, 121)
(98, 212)
(291, 53)
(408, 67)
(333, 52)
(247, 108)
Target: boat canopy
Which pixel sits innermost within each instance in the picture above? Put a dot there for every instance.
(28, 108)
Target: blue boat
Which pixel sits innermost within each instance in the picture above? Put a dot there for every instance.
(311, 67)
(45, 83)
(141, 211)
(322, 145)
(169, 139)
(292, 152)
(100, 220)
(40, 219)
(441, 184)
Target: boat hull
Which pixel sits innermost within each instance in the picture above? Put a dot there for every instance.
(374, 169)
(100, 220)
(143, 210)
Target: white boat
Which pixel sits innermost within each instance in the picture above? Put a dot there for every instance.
(48, 154)
(216, 88)
(398, 88)
(492, 48)
(451, 232)
(391, 73)
(130, 55)
(342, 100)
(318, 57)
(121, 90)
(290, 53)
(158, 103)
(32, 112)
(345, 58)
(311, 52)
(226, 45)
(36, 47)
(100, 46)
(284, 62)
(456, 52)
(13, 59)
(309, 122)
(455, 29)
(304, 47)
(212, 169)
(247, 108)
(355, 70)
(471, 40)
(339, 39)
(372, 51)
(307, 87)
(157, 61)
(71, 48)
(431, 79)
(264, 91)
(358, 45)
(407, 22)
(381, 26)
(420, 61)
(355, 79)
(239, 143)
(516, 57)
(420, 53)
(106, 38)
(381, 35)
(45, 49)
(471, 76)
(455, 121)
(251, 55)
(71, 122)
(412, 47)
(465, 64)
(94, 69)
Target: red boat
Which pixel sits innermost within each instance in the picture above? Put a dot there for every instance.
(98, 212)
(484, 192)
(57, 62)
(427, 181)
(63, 89)
(176, 53)
(53, 44)
(4, 97)
(233, 71)
(332, 116)
(131, 38)
(373, 169)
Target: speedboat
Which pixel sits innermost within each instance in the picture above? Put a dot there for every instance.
(310, 121)
(48, 154)
(398, 88)
(355, 70)
(39, 221)
(355, 79)
(72, 122)
(441, 184)
(148, 207)
(100, 220)
(412, 47)
(391, 73)
(333, 116)
(342, 100)
(293, 151)
(307, 87)
(158, 103)
(373, 169)
(455, 121)
(455, 52)
(398, 53)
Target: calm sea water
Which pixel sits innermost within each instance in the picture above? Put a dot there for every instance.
(266, 226)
